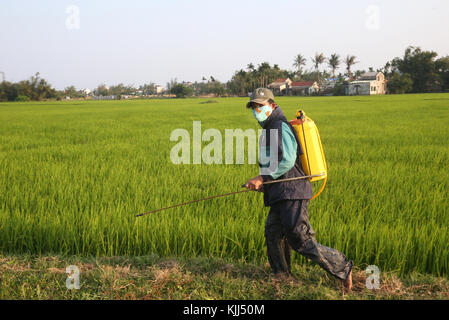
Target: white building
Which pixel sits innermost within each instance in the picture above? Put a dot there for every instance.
(370, 83)
(280, 86)
(159, 89)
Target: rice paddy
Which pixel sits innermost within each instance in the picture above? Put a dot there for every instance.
(73, 175)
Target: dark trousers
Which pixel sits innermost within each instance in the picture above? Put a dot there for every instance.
(288, 227)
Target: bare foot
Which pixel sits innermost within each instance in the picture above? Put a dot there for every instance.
(347, 284)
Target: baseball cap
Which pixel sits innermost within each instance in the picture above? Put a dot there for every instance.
(261, 95)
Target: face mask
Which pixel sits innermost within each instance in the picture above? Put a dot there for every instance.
(262, 113)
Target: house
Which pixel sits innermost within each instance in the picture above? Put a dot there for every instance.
(158, 89)
(369, 83)
(330, 83)
(304, 88)
(280, 87)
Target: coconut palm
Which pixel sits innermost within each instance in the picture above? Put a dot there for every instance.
(317, 61)
(350, 61)
(299, 62)
(241, 78)
(333, 62)
(263, 70)
(251, 72)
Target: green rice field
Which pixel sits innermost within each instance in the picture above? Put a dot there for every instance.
(73, 175)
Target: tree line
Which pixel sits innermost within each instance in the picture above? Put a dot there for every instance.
(35, 88)
(417, 71)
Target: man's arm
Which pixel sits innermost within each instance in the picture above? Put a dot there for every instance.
(286, 152)
(289, 151)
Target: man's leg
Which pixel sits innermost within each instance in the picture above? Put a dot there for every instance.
(287, 253)
(278, 249)
(294, 218)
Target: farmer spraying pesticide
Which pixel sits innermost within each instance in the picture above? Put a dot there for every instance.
(286, 172)
(287, 225)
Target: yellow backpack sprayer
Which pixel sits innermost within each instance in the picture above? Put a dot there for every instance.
(312, 160)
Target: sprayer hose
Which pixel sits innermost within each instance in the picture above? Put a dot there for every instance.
(321, 190)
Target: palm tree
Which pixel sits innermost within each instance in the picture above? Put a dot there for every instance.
(263, 70)
(317, 61)
(350, 61)
(333, 62)
(242, 79)
(251, 72)
(387, 69)
(299, 61)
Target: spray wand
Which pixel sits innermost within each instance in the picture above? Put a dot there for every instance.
(227, 194)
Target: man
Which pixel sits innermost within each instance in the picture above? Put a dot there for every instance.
(287, 225)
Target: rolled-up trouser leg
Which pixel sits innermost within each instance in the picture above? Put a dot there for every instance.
(294, 218)
(278, 248)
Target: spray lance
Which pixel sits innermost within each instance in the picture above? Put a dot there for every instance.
(224, 195)
(312, 160)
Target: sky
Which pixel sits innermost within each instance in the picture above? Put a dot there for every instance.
(85, 43)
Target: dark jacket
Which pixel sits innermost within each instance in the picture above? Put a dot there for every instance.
(292, 190)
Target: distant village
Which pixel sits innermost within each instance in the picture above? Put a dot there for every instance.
(369, 83)
(418, 71)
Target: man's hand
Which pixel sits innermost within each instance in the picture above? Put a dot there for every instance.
(255, 183)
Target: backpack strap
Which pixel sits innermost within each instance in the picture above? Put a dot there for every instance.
(299, 151)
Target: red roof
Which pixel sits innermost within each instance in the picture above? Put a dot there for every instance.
(302, 84)
(280, 80)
